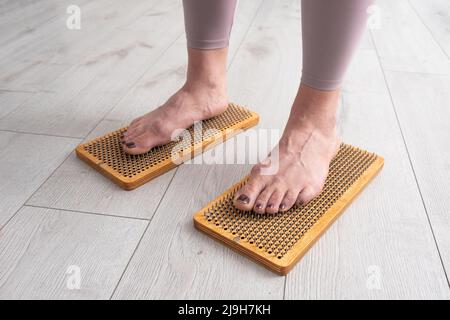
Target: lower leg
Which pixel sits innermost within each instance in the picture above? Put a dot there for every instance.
(208, 25)
(331, 30)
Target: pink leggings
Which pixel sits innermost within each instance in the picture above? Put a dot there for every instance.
(331, 31)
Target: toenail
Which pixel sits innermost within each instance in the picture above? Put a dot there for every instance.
(282, 206)
(244, 199)
(258, 206)
(270, 206)
(130, 145)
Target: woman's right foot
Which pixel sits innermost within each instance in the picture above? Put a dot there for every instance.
(202, 97)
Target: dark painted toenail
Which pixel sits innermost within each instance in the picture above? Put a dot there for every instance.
(270, 206)
(258, 206)
(130, 145)
(282, 206)
(244, 199)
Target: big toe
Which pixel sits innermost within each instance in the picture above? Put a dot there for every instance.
(140, 144)
(131, 133)
(245, 197)
(134, 150)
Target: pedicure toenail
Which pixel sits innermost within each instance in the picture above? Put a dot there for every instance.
(130, 145)
(270, 206)
(258, 206)
(282, 206)
(244, 199)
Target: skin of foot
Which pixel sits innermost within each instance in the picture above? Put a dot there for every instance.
(305, 150)
(202, 96)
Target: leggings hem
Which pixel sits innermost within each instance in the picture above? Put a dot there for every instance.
(320, 84)
(207, 44)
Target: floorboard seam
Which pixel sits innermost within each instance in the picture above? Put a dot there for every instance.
(246, 33)
(6, 90)
(411, 164)
(143, 234)
(418, 72)
(41, 134)
(105, 117)
(85, 212)
(34, 192)
(428, 29)
(231, 62)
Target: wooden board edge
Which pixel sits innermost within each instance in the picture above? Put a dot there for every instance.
(230, 243)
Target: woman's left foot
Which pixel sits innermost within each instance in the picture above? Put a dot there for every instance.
(304, 153)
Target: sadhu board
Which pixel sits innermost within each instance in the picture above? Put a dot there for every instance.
(105, 153)
(279, 241)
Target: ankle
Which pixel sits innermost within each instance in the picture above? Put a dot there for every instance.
(207, 69)
(314, 110)
(202, 83)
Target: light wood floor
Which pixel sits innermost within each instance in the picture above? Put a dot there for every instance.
(59, 87)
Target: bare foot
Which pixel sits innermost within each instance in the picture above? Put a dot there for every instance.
(305, 150)
(203, 96)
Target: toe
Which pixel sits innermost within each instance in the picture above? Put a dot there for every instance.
(307, 194)
(136, 127)
(131, 134)
(273, 204)
(261, 201)
(289, 200)
(245, 197)
(133, 149)
(139, 144)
